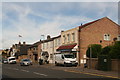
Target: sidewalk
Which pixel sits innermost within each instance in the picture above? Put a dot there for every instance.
(109, 74)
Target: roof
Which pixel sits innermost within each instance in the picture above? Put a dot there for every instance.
(23, 49)
(51, 39)
(82, 26)
(65, 47)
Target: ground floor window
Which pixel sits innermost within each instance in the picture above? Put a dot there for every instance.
(51, 56)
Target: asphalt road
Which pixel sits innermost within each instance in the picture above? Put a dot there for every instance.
(15, 71)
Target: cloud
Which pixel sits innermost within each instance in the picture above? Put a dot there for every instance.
(31, 20)
(61, 1)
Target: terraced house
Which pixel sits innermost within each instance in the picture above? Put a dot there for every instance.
(50, 45)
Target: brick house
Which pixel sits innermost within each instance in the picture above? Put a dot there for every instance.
(33, 52)
(23, 51)
(102, 31)
(69, 42)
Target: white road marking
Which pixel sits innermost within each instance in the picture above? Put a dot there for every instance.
(9, 68)
(39, 74)
(15, 69)
(24, 70)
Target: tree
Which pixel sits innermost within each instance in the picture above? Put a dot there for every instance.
(115, 51)
(106, 50)
(94, 49)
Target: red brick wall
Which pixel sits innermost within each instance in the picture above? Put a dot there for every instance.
(92, 34)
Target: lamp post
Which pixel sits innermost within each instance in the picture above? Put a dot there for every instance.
(90, 56)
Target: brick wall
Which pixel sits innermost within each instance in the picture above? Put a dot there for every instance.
(93, 33)
(115, 64)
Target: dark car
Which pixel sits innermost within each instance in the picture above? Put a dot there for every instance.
(25, 62)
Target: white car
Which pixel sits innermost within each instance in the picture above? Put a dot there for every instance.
(11, 60)
(25, 62)
(65, 59)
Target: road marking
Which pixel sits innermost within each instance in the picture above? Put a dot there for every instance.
(15, 69)
(9, 68)
(24, 70)
(39, 74)
(91, 74)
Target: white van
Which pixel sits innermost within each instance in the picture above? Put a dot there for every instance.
(11, 60)
(65, 59)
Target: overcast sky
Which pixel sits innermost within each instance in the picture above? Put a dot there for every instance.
(33, 19)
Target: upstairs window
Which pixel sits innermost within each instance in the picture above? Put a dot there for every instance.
(119, 38)
(106, 37)
(73, 36)
(64, 39)
(68, 36)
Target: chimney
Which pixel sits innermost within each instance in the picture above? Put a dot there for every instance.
(81, 24)
(48, 37)
(19, 43)
(62, 31)
(24, 43)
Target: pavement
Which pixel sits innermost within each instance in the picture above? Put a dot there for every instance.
(78, 69)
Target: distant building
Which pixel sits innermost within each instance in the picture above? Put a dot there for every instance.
(33, 51)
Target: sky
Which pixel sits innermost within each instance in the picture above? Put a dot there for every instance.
(33, 19)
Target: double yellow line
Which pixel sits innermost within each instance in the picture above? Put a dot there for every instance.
(91, 74)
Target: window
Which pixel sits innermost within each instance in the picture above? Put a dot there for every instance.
(51, 44)
(64, 39)
(47, 45)
(68, 37)
(51, 56)
(58, 41)
(106, 37)
(55, 42)
(43, 46)
(73, 36)
(119, 38)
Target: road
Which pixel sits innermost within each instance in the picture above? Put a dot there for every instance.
(39, 72)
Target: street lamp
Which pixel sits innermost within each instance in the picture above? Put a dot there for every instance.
(90, 55)
(43, 37)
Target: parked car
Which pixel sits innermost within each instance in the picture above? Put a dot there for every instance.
(66, 59)
(11, 60)
(25, 62)
(5, 61)
(44, 58)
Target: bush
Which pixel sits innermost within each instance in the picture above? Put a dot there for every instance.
(115, 51)
(106, 50)
(95, 49)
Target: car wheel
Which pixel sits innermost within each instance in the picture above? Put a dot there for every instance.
(56, 64)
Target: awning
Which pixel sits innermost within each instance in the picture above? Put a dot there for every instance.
(66, 47)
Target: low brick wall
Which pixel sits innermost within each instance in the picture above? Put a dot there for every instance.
(115, 64)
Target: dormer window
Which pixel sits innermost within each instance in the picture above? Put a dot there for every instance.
(106, 37)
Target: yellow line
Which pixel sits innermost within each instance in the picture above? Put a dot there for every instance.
(91, 74)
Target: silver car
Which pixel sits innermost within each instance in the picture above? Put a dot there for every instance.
(25, 62)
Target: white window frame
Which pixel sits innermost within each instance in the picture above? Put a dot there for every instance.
(107, 37)
(73, 37)
(68, 37)
(118, 38)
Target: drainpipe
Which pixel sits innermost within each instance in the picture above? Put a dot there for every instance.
(79, 30)
(53, 52)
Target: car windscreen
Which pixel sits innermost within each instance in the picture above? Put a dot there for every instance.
(12, 59)
(69, 56)
(26, 60)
